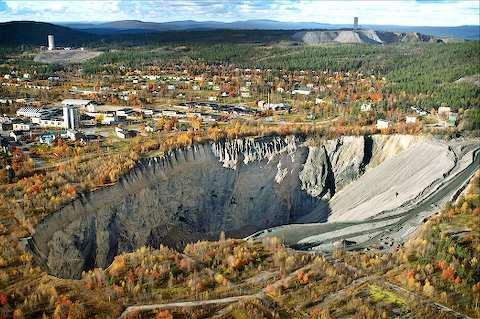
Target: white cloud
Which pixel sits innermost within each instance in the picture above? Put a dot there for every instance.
(381, 12)
(57, 10)
(408, 12)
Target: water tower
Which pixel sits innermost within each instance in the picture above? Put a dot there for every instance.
(51, 42)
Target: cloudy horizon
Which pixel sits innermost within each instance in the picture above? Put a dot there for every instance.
(408, 12)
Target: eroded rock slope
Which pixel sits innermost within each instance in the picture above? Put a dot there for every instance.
(237, 186)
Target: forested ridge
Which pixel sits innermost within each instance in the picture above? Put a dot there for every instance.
(427, 72)
(429, 69)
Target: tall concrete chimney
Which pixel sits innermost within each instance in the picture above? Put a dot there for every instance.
(355, 23)
(51, 42)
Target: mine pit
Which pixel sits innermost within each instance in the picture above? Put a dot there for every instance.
(240, 187)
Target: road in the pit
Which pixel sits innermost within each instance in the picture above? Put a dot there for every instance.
(293, 233)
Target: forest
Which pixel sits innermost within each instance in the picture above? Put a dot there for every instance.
(425, 69)
(427, 73)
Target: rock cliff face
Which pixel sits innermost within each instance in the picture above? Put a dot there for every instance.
(237, 186)
(362, 36)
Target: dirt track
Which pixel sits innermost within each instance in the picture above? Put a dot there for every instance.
(385, 230)
(66, 56)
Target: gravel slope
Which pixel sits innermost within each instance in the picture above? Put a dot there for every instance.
(393, 182)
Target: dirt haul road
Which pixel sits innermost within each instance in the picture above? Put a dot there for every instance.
(386, 230)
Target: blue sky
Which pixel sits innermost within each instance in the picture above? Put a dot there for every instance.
(409, 12)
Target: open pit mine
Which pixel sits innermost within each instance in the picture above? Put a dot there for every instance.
(357, 192)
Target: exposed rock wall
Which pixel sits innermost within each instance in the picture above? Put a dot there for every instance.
(239, 186)
(361, 36)
(190, 194)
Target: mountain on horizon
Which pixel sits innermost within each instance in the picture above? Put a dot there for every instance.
(470, 32)
(35, 33)
(133, 32)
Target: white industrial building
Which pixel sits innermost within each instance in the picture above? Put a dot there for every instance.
(71, 117)
(32, 112)
(58, 123)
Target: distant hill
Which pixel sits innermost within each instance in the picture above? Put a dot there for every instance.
(464, 32)
(364, 36)
(190, 25)
(18, 33)
(467, 32)
(133, 32)
(35, 33)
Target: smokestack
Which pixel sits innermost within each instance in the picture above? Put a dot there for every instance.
(355, 23)
(51, 42)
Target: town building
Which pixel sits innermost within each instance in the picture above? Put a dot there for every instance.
(124, 133)
(382, 124)
(47, 138)
(275, 106)
(301, 92)
(366, 107)
(4, 145)
(73, 135)
(173, 113)
(105, 118)
(125, 112)
(150, 128)
(444, 111)
(5, 124)
(148, 112)
(51, 122)
(21, 126)
(410, 119)
(419, 110)
(87, 120)
(17, 135)
(77, 102)
(29, 111)
(71, 117)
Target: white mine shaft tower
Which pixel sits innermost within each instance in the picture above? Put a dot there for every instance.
(51, 42)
